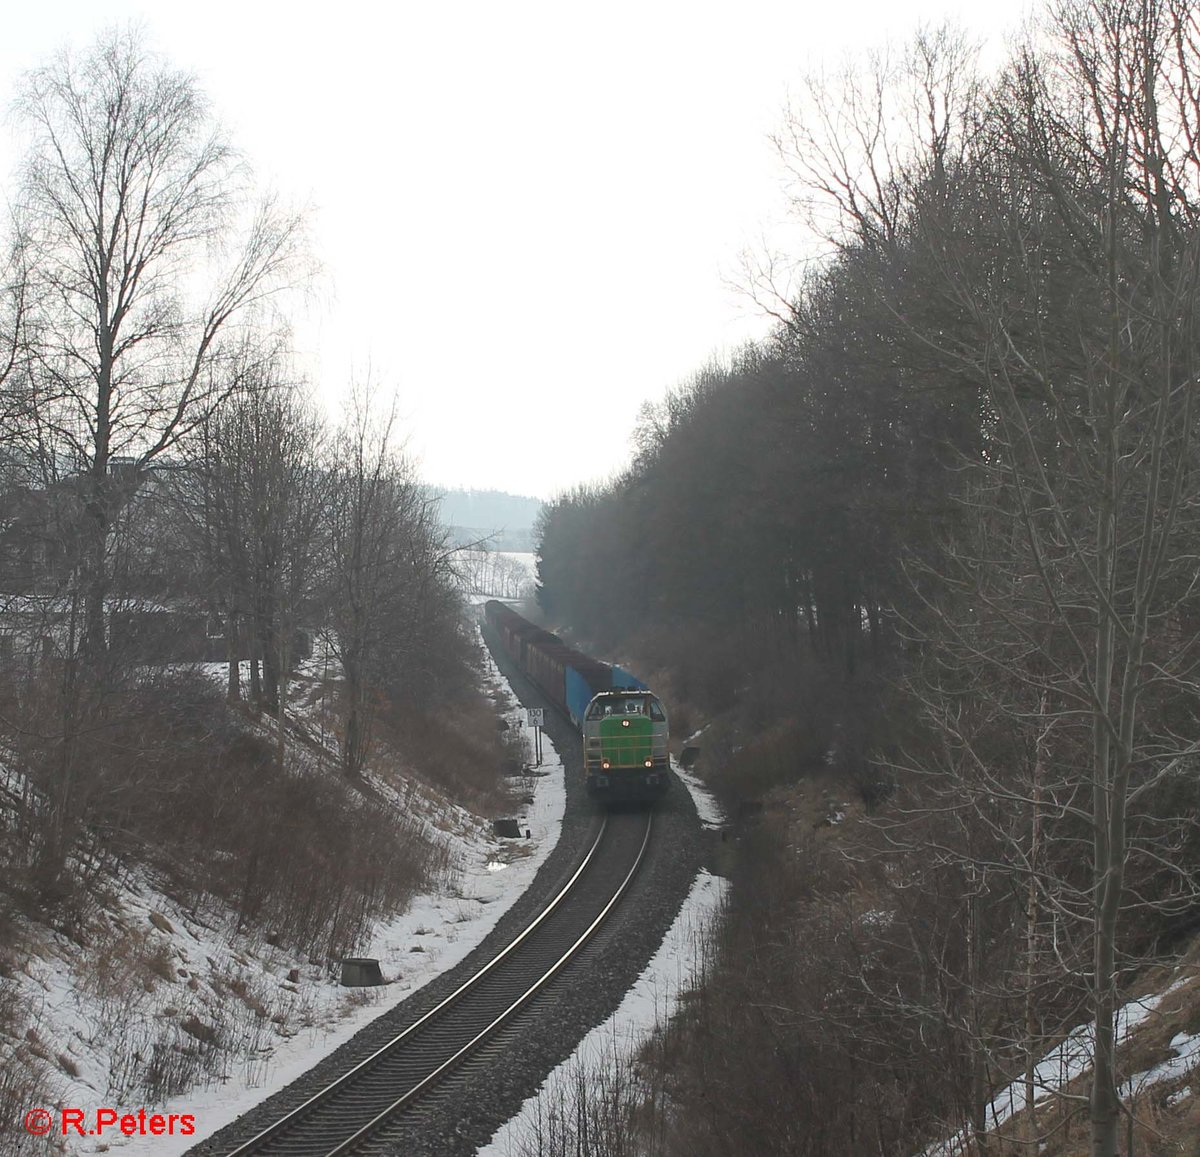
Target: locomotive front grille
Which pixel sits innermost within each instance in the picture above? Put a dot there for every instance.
(627, 741)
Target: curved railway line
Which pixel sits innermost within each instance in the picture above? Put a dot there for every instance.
(361, 1104)
(456, 1113)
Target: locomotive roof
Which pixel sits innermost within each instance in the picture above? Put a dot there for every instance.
(547, 642)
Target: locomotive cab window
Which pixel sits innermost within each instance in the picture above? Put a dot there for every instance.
(656, 711)
(633, 705)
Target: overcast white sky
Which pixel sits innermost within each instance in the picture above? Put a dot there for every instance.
(527, 211)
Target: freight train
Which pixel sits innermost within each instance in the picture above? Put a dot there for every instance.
(623, 724)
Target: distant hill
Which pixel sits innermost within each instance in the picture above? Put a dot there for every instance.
(507, 520)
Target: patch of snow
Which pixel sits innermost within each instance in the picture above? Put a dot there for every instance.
(1062, 1064)
(676, 968)
(707, 808)
(876, 918)
(1187, 1056)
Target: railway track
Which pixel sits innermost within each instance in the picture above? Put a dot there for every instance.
(369, 1099)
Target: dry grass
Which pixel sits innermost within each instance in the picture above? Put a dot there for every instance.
(458, 750)
(1162, 1119)
(27, 1077)
(787, 1028)
(175, 780)
(121, 959)
(610, 1105)
(173, 784)
(836, 1021)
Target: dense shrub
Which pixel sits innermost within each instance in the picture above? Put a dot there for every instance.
(790, 1048)
(454, 746)
(169, 775)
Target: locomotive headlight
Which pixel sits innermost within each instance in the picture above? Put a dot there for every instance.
(605, 764)
(649, 763)
(624, 722)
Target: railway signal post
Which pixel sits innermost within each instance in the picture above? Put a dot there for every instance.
(535, 718)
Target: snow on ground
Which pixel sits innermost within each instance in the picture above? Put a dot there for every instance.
(1186, 1047)
(1072, 1058)
(308, 1013)
(707, 808)
(676, 968)
(526, 558)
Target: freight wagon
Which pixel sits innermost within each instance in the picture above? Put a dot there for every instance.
(624, 725)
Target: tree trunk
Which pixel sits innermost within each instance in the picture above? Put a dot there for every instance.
(233, 684)
(281, 705)
(1032, 1035)
(268, 650)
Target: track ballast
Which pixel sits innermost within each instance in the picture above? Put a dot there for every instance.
(364, 1103)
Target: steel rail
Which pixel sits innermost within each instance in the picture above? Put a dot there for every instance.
(350, 1142)
(294, 1117)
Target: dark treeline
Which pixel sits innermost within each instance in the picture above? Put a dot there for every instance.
(771, 499)
(936, 538)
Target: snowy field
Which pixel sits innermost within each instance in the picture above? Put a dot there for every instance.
(314, 1013)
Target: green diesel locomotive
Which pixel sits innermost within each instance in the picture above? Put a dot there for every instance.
(623, 723)
(625, 738)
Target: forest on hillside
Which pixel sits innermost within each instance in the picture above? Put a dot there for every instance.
(937, 538)
(487, 508)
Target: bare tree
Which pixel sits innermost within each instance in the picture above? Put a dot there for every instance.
(1094, 443)
(391, 578)
(249, 502)
(266, 494)
(14, 342)
(854, 144)
(145, 249)
(1053, 233)
(1085, 344)
(493, 573)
